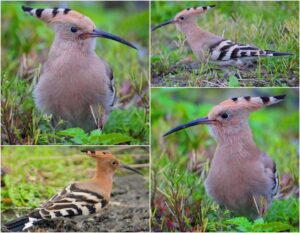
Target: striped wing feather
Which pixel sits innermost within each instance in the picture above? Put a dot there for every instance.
(226, 50)
(71, 202)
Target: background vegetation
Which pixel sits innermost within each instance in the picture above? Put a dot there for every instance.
(180, 162)
(31, 175)
(25, 45)
(269, 25)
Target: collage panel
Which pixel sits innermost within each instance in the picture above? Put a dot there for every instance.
(220, 156)
(225, 43)
(149, 116)
(75, 72)
(84, 179)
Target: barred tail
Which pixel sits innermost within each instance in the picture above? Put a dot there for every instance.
(277, 54)
(21, 224)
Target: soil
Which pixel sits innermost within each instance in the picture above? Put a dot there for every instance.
(128, 210)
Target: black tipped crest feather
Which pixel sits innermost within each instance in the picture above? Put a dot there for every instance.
(66, 11)
(26, 8)
(265, 99)
(39, 12)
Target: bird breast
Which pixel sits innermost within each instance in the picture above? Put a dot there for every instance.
(234, 180)
(72, 83)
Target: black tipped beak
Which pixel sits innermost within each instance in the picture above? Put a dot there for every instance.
(163, 24)
(99, 33)
(198, 121)
(130, 168)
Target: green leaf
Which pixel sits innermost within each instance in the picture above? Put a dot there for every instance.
(233, 81)
(110, 139)
(242, 223)
(77, 135)
(272, 226)
(72, 132)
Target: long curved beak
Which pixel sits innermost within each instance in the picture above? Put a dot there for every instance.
(130, 168)
(163, 24)
(198, 121)
(100, 33)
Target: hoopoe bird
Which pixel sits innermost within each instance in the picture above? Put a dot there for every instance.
(79, 200)
(242, 178)
(75, 84)
(215, 49)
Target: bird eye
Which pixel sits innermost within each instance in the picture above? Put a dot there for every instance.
(181, 18)
(114, 163)
(74, 29)
(224, 115)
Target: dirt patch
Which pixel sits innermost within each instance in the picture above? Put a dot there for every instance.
(128, 210)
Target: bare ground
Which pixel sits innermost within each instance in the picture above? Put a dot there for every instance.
(128, 210)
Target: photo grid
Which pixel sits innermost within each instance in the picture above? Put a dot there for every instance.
(150, 116)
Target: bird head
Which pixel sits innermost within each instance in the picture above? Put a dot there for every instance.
(107, 161)
(230, 116)
(69, 25)
(185, 17)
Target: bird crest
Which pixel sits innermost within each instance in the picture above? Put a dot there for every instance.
(99, 154)
(194, 11)
(224, 111)
(60, 15)
(182, 16)
(248, 102)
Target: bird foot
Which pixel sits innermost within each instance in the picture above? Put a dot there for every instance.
(100, 124)
(72, 226)
(227, 74)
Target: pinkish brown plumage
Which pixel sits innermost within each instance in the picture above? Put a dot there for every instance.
(241, 178)
(75, 84)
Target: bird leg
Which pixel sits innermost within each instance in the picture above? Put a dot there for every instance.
(261, 205)
(73, 225)
(60, 224)
(228, 73)
(99, 115)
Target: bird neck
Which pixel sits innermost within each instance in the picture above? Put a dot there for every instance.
(190, 28)
(61, 46)
(103, 173)
(237, 142)
(198, 38)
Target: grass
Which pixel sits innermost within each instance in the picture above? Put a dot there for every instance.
(25, 45)
(181, 161)
(173, 63)
(34, 174)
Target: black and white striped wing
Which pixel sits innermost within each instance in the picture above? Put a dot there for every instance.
(111, 85)
(72, 202)
(227, 50)
(270, 168)
(275, 187)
